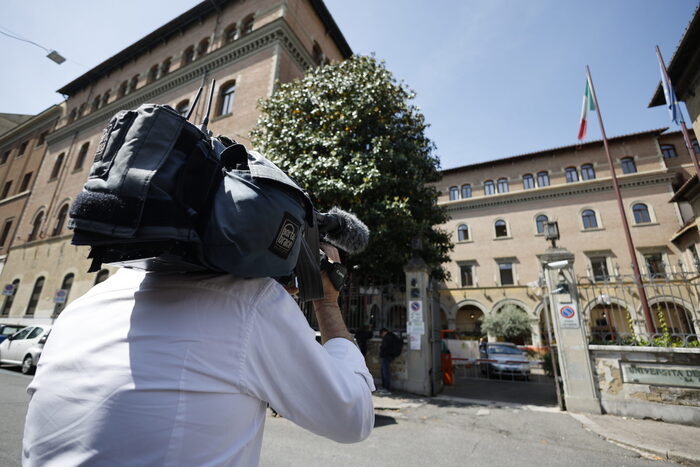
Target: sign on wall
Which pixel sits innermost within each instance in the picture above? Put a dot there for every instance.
(567, 315)
(660, 374)
(60, 296)
(8, 289)
(415, 327)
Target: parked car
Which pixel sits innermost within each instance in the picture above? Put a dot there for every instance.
(503, 358)
(9, 329)
(24, 347)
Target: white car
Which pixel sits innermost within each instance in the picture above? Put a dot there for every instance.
(24, 347)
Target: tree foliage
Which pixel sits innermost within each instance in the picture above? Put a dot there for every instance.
(509, 322)
(349, 134)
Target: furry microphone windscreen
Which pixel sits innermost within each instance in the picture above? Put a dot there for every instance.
(348, 232)
(101, 207)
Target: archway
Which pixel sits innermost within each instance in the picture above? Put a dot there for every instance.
(672, 317)
(514, 307)
(609, 322)
(468, 322)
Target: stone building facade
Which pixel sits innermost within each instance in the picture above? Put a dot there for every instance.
(498, 210)
(246, 46)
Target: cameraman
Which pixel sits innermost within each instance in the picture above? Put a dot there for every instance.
(177, 369)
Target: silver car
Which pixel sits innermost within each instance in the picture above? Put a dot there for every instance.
(503, 358)
(24, 347)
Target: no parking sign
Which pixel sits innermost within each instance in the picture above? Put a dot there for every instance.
(568, 316)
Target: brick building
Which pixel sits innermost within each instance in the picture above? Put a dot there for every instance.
(247, 46)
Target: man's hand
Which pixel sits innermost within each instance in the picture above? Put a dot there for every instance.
(330, 321)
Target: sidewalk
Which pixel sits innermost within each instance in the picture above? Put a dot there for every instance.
(680, 443)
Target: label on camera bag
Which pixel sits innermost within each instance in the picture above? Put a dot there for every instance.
(286, 236)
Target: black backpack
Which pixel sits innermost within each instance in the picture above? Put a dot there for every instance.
(395, 345)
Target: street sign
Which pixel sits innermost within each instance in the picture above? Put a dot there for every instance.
(8, 289)
(568, 316)
(60, 296)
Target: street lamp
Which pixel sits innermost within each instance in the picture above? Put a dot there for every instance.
(551, 232)
(56, 57)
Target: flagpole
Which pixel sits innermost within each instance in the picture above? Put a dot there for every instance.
(684, 129)
(630, 245)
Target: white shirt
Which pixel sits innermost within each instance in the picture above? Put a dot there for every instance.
(156, 369)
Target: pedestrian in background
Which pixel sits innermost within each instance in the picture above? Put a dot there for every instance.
(390, 349)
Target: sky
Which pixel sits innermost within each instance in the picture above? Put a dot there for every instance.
(494, 78)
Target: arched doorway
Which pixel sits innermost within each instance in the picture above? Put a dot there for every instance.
(610, 322)
(673, 318)
(468, 322)
(519, 320)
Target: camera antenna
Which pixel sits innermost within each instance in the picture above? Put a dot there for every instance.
(205, 121)
(194, 102)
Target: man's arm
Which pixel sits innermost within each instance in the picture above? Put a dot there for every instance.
(330, 321)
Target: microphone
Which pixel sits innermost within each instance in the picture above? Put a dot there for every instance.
(343, 230)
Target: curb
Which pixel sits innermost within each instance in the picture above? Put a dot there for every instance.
(668, 454)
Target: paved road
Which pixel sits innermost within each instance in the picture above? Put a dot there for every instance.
(417, 432)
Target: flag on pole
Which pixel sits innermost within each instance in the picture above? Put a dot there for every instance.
(588, 104)
(671, 101)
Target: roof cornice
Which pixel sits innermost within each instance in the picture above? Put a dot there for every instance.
(24, 128)
(274, 33)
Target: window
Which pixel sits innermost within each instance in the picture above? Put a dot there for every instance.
(133, 84)
(571, 174)
(80, 160)
(655, 265)
(587, 172)
(22, 149)
(42, 138)
(96, 102)
(489, 187)
(501, 228)
(454, 193)
(696, 146)
(188, 55)
(81, 109)
(123, 88)
(165, 67)
(105, 97)
(66, 285)
(35, 333)
(152, 74)
(628, 166)
(36, 294)
(72, 115)
(247, 25)
(5, 232)
(668, 151)
(467, 274)
(10, 298)
(6, 189)
(641, 213)
(35, 227)
(528, 182)
(599, 267)
(202, 47)
(694, 254)
(466, 191)
(589, 219)
(542, 179)
(24, 186)
(226, 99)
(60, 221)
(503, 185)
(317, 54)
(183, 108)
(101, 276)
(231, 33)
(506, 273)
(462, 233)
(540, 223)
(23, 334)
(5, 156)
(57, 166)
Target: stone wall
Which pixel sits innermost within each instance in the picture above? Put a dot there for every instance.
(674, 396)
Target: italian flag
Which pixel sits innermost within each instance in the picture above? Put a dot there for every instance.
(588, 104)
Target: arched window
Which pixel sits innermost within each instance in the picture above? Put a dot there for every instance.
(542, 179)
(462, 233)
(96, 103)
(60, 220)
(7, 305)
(66, 285)
(81, 109)
(72, 115)
(183, 107)
(466, 191)
(571, 174)
(36, 226)
(454, 193)
(668, 151)
(501, 228)
(628, 166)
(587, 172)
(82, 154)
(5, 232)
(152, 74)
(489, 187)
(123, 88)
(540, 222)
(528, 182)
(590, 221)
(203, 47)
(226, 98)
(25, 181)
(36, 294)
(101, 276)
(696, 146)
(317, 54)
(231, 33)
(247, 26)
(188, 55)
(57, 166)
(165, 66)
(133, 84)
(503, 185)
(105, 97)
(641, 213)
